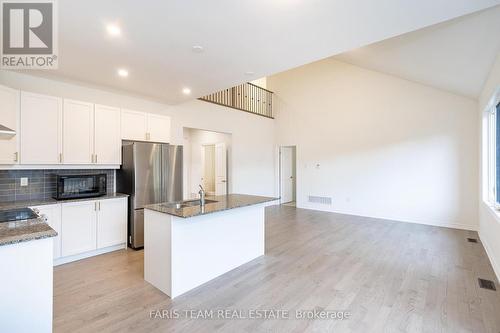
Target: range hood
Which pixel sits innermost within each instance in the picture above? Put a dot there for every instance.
(6, 133)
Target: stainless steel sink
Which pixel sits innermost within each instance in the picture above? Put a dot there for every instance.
(187, 203)
(17, 215)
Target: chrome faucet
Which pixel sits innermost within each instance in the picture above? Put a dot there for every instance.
(202, 196)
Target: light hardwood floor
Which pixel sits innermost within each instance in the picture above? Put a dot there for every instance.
(391, 276)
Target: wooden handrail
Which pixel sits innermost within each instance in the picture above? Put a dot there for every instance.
(246, 97)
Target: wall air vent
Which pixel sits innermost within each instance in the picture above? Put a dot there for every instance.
(472, 240)
(320, 200)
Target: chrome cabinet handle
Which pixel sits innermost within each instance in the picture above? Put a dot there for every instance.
(16, 157)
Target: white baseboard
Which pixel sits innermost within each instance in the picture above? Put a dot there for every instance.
(65, 260)
(451, 225)
(494, 263)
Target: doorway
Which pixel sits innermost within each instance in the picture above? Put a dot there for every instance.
(214, 168)
(207, 162)
(288, 175)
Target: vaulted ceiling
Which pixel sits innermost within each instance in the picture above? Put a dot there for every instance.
(241, 40)
(456, 55)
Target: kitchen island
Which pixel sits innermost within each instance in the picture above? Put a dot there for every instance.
(186, 244)
(26, 283)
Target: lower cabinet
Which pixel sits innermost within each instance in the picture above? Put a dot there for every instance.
(79, 221)
(111, 222)
(53, 215)
(85, 228)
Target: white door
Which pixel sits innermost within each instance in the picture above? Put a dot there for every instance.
(41, 129)
(287, 174)
(220, 169)
(9, 117)
(78, 132)
(78, 227)
(53, 215)
(208, 168)
(158, 128)
(107, 138)
(134, 125)
(111, 222)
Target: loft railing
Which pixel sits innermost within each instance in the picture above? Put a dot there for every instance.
(246, 97)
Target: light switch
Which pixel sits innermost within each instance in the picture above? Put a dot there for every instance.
(24, 181)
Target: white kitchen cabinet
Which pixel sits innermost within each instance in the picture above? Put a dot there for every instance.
(158, 128)
(111, 222)
(134, 125)
(78, 132)
(53, 215)
(141, 126)
(87, 226)
(79, 220)
(107, 124)
(9, 117)
(41, 129)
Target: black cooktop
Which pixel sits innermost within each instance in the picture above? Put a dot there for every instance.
(17, 215)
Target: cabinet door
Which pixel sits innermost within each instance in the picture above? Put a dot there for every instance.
(9, 117)
(112, 222)
(107, 125)
(158, 128)
(134, 125)
(78, 227)
(78, 132)
(53, 215)
(41, 129)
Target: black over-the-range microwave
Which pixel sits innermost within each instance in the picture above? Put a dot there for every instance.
(80, 186)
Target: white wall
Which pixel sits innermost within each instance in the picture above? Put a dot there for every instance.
(489, 220)
(253, 170)
(262, 82)
(194, 139)
(378, 145)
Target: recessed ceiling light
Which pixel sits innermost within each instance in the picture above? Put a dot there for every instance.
(123, 72)
(113, 30)
(186, 91)
(197, 49)
(249, 73)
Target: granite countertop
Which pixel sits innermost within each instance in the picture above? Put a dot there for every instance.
(224, 202)
(44, 202)
(32, 229)
(24, 231)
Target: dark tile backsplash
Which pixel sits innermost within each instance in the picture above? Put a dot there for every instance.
(41, 183)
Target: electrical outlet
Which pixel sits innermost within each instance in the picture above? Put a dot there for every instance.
(24, 181)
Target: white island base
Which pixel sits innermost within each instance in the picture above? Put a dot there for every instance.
(183, 253)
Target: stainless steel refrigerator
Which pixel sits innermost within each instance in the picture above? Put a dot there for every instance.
(150, 173)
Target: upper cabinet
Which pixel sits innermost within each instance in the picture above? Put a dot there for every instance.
(41, 129)
(107, 123)
(9, 118)
(78, 132)
(141, 126)
(48, 130)
(158, 128)
(134, 125)
(69, 132)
